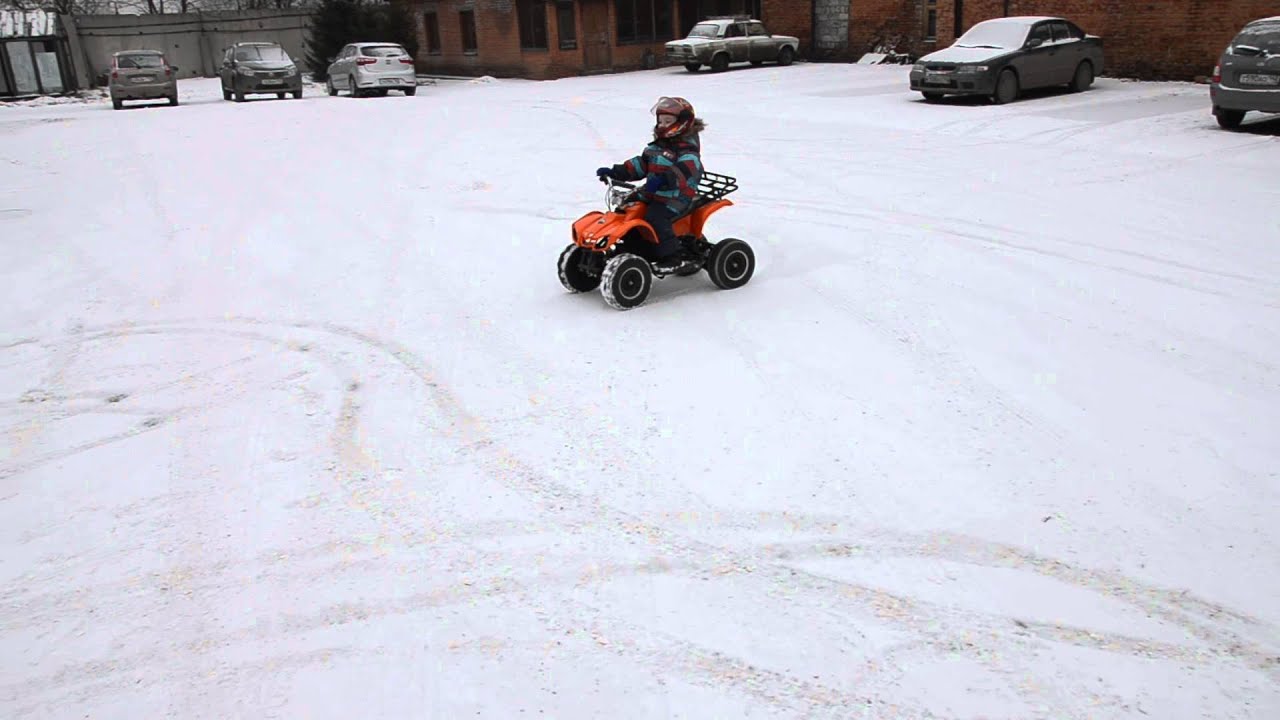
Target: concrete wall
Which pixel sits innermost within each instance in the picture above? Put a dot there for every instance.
(193, 41)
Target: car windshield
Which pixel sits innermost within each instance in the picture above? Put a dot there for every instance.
(995, 34)
(268, 53)
(705, 30)
(126, 62)
(1266, 38)
(383, 51)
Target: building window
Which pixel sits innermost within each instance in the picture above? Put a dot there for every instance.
(641, 21)
(931, 20)
(533, 24)
(431, 26)
(467, 18)
(568, 29)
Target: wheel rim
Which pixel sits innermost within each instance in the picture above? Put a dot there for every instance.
(736, 264)
(630, 283)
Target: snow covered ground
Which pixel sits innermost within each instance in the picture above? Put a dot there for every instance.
(299, 422)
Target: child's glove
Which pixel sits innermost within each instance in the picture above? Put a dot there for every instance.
(654, 183)
(603, 173)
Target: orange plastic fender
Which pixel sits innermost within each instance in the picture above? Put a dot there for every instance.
(599, 231)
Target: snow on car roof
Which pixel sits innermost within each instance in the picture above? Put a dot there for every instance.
(1023, 19)
(1275, 18)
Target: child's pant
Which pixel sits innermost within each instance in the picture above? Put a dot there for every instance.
(660, 217)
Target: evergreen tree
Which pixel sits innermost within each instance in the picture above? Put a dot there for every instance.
(338, 22)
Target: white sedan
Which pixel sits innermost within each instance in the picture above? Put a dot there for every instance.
(372, 68)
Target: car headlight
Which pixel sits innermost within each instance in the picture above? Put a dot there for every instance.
(291, 70)
(971, 69)
(245, 71)
(918, 67)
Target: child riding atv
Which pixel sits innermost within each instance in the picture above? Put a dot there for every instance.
(671, 166)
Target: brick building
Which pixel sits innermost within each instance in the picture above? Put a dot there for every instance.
(558, 38)
(1152, 39)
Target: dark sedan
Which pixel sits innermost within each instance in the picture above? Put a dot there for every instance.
(1000, 58)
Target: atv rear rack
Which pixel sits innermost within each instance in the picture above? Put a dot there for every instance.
(713, 187)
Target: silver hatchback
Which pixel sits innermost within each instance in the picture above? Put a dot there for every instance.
(1247, 77)
(372, 68)
(142, 75)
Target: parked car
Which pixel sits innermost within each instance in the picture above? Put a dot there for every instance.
(1000, 58)
(141, 75)
(250, 68)
(372, 67)
(720, 41)
(1247, 77)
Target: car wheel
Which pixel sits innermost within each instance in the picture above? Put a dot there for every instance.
(411, 91)
(786, 55)
(328, 86)
(692, 67)
(1229, 119)
(279, 96)
(226, 94)
(117, 104)
(932, 96)
(173, 99)
(351, 85)
(239, 96)
(720, 63)
(1006, 88)
(297, 94)
(1083, 77)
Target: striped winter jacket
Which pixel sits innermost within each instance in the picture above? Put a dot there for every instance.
(678, 161)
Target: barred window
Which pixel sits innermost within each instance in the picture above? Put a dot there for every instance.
(642, 21)
(533, 24)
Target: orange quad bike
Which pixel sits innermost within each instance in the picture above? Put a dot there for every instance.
(614, 250)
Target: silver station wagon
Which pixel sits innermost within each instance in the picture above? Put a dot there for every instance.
(720, 41)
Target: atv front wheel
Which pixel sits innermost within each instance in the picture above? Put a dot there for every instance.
(572, 276)
(732, 263)
(626, 281)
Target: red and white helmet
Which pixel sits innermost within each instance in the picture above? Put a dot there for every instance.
(677, 108)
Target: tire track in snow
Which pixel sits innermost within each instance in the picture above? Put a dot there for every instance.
(573, 510)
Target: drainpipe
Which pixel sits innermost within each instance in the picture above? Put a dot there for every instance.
(1006, 8)
(813, 30)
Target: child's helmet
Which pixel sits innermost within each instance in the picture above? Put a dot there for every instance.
(677, 107)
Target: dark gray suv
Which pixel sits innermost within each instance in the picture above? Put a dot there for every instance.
(1248, 74)
(258, 67)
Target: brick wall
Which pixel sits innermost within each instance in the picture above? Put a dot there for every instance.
(1147, 39)
(889, 24)
(498, 42)
(790, 17)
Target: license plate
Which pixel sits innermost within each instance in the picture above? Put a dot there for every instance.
(272, 82)
(1256, 79)
(143, 78)
(935, 77)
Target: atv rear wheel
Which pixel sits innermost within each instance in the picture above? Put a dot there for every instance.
(626, 281)
(732, 263)
(572, 276)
